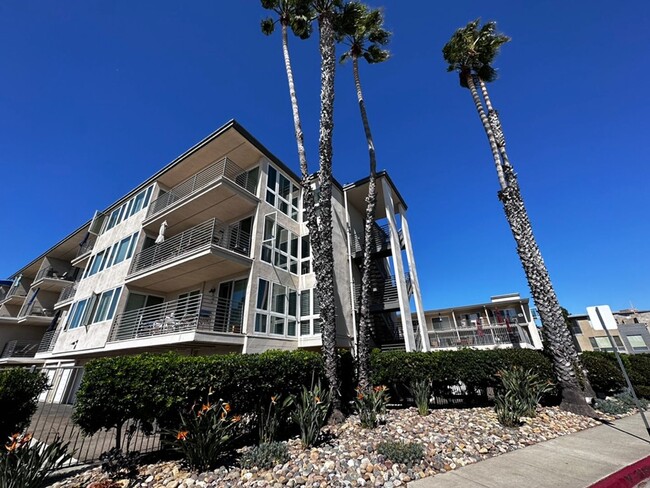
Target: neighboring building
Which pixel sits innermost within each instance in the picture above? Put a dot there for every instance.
(506, 321)
(631, 335)
(210, 255)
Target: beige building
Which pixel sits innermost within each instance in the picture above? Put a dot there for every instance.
(506, 321)
(210, 255)
(631, 335)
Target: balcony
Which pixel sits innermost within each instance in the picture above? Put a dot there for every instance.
(196, 318)
(67, 294)
(48, 341)
(497, 335)
(35, 314)
(15, 295)
(83, 253)
(201, 253)
(19, 349)
(51, 278)
(222, 191)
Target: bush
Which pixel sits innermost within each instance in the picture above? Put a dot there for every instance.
(421, 391)
(206, 435)
(603, 372)
(476, 369)
(26, 463)
(311, 412)
(19, 391)
(525, 387)
(371, 405)
(401, 452)
(265, 456)
(150, 388)
(271, 418)
(119, 464)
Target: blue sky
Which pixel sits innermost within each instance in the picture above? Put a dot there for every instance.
(95, 96)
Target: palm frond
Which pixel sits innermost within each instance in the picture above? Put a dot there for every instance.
(268, 26)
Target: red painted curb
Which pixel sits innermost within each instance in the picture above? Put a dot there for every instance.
(628, 477)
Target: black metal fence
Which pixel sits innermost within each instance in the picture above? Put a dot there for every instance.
(53, 419)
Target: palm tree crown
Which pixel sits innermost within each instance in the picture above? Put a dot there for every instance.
(296, 14)
(471, 51)
(361, 28)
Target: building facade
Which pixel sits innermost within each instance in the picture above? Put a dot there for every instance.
(631, 335)
(506, 321)
(210, 255)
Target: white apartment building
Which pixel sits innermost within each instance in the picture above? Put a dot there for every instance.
(506, 321)
(210, 255)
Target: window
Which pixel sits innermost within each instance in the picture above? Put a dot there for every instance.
(279, 246)
(186, 304)
(276, 309)
(112, 255)
(309, 313)
(77, 313)
(129, 208)
(106, 305)
(282, 193)
(637, 343)
(97, 308)
(603, 344)
(305, 256)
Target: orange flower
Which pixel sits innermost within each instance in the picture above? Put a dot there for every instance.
(226, 407)
(273, 399)
(206, 407)
(317, 400)
(236, 418)
(182, 435)
(360, 396)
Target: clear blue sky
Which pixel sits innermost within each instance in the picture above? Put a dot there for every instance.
(95, 96)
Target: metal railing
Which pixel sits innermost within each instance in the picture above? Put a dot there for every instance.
(223, 168)
(16, 291)
(383, 291)
(48, 341)
(486, 336)
(68, 292)
(34, 309)
(210, 233)
(54, 273)
(19, 349)
(173, 317)
(86, 246)
(380, 239)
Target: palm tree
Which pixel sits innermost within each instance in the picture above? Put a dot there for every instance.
(327, 14)
(295, 14)
(361, 29)
(471, 52)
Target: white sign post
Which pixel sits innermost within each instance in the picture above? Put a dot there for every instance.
(601, 318)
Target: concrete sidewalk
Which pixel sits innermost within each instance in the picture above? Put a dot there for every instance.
(573, 461)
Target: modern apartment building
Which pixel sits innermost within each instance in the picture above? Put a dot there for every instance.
(631, 335)
(505, 321)
(210, 255)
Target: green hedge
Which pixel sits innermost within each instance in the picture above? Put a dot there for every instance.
(475, 368)
(605, 375)
(150, 387)
(19, 391)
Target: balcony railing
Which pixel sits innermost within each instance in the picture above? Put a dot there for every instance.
(16, 291)
(86, 246)
(68, 292)
(34, 309)
(210, 233)
(182, 315)
(486, 336)
(224, 168)
(385, 291)
(380, 239)
(48, 341)
(54, 273)
(19, 349)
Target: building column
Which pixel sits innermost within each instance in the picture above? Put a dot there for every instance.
(417, 295)
(353, 298)
(398, 265)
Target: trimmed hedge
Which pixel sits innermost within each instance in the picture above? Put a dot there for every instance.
(475, 368)
(19, 391)
(605, 375)
(151, 387)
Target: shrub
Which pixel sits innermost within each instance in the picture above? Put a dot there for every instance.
(371, 405)
(603, 372)
(269, 419)
(265, 456)
(524, 387)
(407, 453)
(19, 391)
(509, 410)
(26, 463)
(206, 435)
(119, 464)
(311, 412)
(150, 388)
(421, 391)
(612, 407)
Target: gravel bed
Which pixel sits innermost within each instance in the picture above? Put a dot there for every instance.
(451, 438)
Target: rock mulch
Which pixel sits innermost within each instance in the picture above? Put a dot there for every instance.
(451, 438)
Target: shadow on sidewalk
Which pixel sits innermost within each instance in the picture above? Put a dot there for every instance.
(612, 426)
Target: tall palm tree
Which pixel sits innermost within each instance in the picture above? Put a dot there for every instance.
(471, 52)
(327, 14)
(295, 14)
(361, 29)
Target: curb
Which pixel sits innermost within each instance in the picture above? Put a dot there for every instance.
(632, 476)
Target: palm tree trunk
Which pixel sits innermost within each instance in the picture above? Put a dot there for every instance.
(363, 340)
(486, 126)
(324, 265)
(309, 211)
(558, 337)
